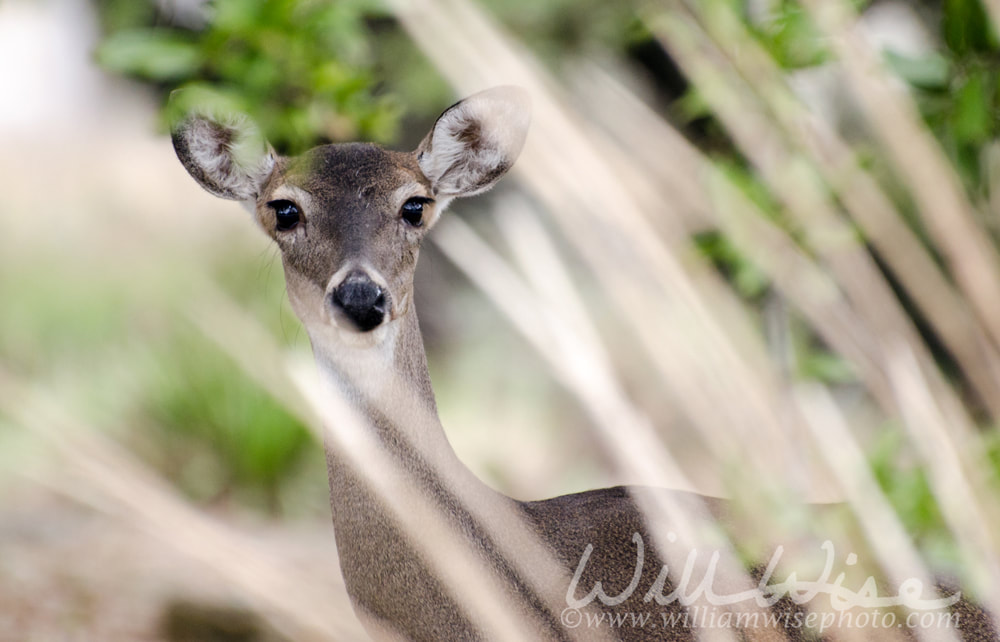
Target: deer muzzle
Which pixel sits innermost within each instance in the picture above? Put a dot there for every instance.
(360, 301)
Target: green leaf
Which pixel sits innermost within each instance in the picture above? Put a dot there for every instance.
(930, 71)
(971, 120)
(150, 53)
(744, 275)
(118, 15)
(966, 27)
(692, 106)
(825, 367)
(237, 16)
(792, 39)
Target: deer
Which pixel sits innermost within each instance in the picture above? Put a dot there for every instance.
(348, 220)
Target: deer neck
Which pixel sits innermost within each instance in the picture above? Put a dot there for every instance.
(389, 387)
(367, 371)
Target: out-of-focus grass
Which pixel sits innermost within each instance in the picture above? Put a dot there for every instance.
(116, 340)
(56, 314)
(217, 433)
(98, 296)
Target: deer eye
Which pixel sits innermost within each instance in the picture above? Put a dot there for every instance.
(286, 215)
(413, 210)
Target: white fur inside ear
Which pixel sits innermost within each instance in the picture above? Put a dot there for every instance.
(476, 141)
(227, 155)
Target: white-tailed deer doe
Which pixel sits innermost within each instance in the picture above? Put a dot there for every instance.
(349, 220)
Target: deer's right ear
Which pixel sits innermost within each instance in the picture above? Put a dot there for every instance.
(227, 156)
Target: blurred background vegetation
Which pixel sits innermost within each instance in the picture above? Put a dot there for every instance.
(312, 72)
(318, 71)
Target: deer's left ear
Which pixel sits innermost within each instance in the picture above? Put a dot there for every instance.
(474, 142)
(227, 155)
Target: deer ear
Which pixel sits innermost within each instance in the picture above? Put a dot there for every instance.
(227, 155)
(475, 141)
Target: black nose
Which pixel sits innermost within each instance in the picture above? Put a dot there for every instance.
(361, 301)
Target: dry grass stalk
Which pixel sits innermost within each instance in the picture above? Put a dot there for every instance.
(625, 190)
(919, 162)
(721, 376)
(299, 605)
(815, 142)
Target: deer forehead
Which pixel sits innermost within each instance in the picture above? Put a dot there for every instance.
(344, 178)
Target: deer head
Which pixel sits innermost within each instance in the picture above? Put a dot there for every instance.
(349, 218)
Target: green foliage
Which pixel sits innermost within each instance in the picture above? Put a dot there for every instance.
(930, 72)
(116, 15)
(216, 432)
(151, 54)
(958, 92)
(966, 27)
(789, 35)
(302, 68)
(818, 364)
(748, 280)
(991, 441)
(957, 88)
(906, 487)
(35, 329)
(100, 333)
(561, 29)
